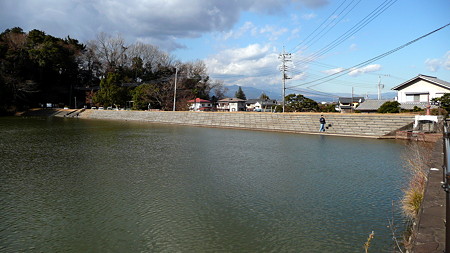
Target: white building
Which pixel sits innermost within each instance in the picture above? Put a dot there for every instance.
(199, 105)
(231, 104)
(421, 89)
(260, 105)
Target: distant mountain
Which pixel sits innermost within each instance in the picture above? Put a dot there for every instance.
(251, 92)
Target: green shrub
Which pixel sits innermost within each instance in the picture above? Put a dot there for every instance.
(390, 107)
(417, 109)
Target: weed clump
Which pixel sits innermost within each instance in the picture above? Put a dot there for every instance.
(417, 161)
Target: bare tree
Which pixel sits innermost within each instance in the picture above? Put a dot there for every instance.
(111, 51)
(219, 89)
(149, 54)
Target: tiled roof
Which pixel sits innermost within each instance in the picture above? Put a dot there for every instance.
(231, 100)
(348, 100)
(410, 105)
(199, 100)
(430, 79)
(262, 101)
(371, 105)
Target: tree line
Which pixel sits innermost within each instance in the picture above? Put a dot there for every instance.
(37, 68)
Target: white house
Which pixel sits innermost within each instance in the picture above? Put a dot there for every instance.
(259, 105)
(231, 104)
(421, 89)
(347, 104)
(199, 105)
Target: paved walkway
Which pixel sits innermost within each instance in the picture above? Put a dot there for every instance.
(429, 231)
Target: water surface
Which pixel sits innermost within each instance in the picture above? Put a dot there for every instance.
(69, 185)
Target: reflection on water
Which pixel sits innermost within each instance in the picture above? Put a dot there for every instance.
(72, 185)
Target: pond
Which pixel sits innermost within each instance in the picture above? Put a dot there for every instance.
(72, 185)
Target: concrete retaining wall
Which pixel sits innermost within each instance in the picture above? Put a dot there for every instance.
(359, 125)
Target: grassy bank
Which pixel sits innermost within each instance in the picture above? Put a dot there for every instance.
(417, 162)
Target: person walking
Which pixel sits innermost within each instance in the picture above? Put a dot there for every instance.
(322, 124)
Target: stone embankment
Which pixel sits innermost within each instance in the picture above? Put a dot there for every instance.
(358, 125)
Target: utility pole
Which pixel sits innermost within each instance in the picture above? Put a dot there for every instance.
(284, 57)
(351, 103)
(175, 89)
(380, 86)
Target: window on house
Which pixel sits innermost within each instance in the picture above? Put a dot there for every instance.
(413, 98)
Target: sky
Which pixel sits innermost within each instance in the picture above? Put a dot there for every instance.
(331, 47)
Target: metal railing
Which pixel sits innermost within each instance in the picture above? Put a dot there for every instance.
(446, 182)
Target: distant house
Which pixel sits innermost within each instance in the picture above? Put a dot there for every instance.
(231, 105)
(419, 90)
(200, 105)
(259, 105)
(347, 104)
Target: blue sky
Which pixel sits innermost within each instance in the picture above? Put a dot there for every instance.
(240, 41)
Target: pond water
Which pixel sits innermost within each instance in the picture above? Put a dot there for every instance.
(72, 185)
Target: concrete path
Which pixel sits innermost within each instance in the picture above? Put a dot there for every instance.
(429, 230)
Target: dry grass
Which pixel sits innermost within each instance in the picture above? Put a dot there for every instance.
(417, 162)
(367, 243)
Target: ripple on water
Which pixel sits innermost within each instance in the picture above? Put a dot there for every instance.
(106, 186)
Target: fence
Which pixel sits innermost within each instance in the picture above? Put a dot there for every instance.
(446, 182)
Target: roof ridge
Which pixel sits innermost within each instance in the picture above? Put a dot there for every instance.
(428, 76)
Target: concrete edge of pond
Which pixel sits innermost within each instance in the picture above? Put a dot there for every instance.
(428, 235)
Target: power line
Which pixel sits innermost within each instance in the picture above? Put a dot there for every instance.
(350, 32)
(365, 63)
(356, 28)
(328, 18)
(314, 40)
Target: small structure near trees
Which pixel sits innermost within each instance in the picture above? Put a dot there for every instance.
(199, 104)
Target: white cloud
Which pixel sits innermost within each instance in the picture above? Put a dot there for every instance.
(447, 60)
(434, 65)
(366, 69)
(246, 66)
(309, 16)
(332, 71)
(161, 21)
(353, 47)
(247, 27)
(297, 77)
(273, 32)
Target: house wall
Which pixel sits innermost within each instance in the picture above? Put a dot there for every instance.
(235, 107)
(223, 106)
(197, 106)
(421, 86)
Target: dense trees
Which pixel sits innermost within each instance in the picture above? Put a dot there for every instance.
(444, 101)
(36, 68)
(299, 103)
(390, 107)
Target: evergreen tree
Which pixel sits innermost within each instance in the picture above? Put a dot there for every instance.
(264, 96)
(390, 107)
(240, 94)
(299, 103)
(444, 101)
